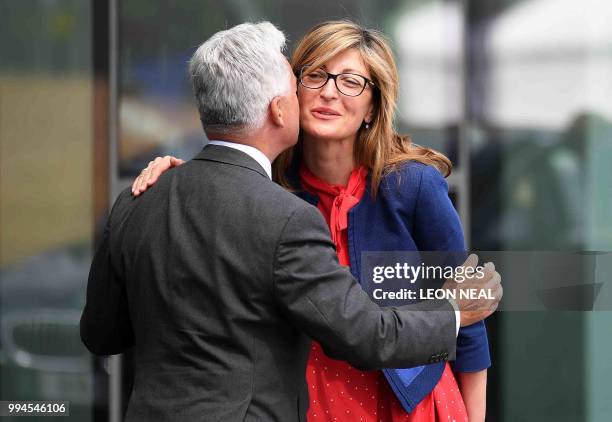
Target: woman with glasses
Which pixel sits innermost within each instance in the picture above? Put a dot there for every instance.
(378, 191)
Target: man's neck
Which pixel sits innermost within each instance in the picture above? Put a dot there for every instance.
(251, 151)
(253, 141)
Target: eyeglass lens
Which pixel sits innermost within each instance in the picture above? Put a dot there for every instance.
(347, 83)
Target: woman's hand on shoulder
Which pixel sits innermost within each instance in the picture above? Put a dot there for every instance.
(151, 173)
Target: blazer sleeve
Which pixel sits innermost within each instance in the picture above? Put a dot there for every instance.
(106, 327)
(437, 228)
(324, 300)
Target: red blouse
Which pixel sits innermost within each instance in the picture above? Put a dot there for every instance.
(339, 392)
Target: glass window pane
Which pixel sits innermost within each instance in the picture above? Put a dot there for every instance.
(46, 208)
(541, 82)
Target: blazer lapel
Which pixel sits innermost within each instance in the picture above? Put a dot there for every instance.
(231, 156)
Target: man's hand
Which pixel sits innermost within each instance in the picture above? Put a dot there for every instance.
(482, 291)
(155, 169)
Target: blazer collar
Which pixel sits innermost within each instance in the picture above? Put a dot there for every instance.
(231, 156)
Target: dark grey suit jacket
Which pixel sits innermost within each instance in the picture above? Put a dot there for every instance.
(218, 277)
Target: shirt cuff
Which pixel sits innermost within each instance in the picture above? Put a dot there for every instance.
(457, 316)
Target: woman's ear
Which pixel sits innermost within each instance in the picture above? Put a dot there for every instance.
(369, 115)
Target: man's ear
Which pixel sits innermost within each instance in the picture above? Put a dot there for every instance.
(277, 107)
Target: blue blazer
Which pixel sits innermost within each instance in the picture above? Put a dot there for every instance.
(412, 212)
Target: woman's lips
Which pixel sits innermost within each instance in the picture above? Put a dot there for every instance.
(325, 113)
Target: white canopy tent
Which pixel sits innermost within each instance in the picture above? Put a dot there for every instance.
(429, 45)
(549, 61)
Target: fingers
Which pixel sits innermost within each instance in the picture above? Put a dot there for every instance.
(159, 166)
(480, 276)
(491, 310)
(486, 313)
(491, 280)
(497, 290)
(141, 180)
(135, 191)
(156, 168)
(469, 268)
(481, 308)
(146, 175)
(153, 171)
(489, 271)
(471, 261)
(495, 287)
(137, 186)
(495, 280)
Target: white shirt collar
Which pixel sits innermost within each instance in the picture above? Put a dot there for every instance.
(252, 152)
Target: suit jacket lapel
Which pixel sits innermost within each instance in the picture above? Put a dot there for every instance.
(231, 156)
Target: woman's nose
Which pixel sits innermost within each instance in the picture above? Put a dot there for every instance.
(329, 90)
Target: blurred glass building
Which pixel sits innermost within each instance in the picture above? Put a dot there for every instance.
(518, 93)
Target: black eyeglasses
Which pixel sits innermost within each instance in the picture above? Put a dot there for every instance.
(349, 84)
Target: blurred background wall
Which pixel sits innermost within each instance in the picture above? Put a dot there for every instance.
(516, 92)
(46, 218)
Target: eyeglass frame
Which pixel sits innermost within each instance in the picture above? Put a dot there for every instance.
(334, 76)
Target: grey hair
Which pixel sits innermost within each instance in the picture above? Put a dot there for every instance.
(235, 75)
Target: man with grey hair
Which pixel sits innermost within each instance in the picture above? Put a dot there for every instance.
(232, 90)
(218, 277)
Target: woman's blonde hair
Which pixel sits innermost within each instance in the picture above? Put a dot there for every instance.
(379, 148)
